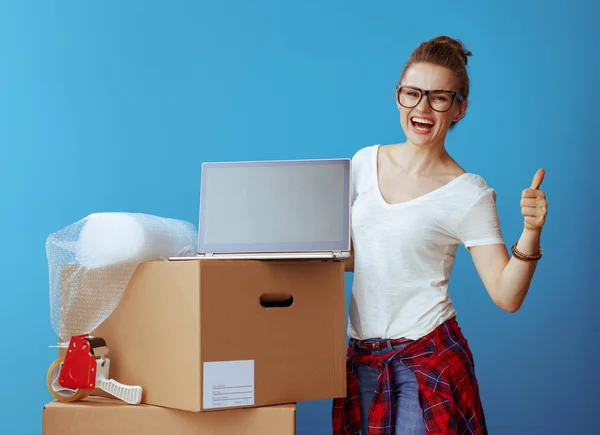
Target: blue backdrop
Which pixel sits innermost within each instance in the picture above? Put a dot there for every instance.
(112, 106)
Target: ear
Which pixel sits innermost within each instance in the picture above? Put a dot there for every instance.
(460, 114)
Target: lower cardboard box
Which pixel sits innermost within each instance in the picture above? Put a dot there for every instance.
(102, 416)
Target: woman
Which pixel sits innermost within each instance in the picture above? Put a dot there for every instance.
(410, 370)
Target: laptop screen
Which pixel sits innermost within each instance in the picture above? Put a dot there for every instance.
(275, 206)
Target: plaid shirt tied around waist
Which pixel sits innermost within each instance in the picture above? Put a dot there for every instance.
(449, 393)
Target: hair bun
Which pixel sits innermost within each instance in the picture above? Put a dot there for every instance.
(456, 45)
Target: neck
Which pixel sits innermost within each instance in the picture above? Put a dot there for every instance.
(421, 160)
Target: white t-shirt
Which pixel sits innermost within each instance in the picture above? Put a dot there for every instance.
(404, 253)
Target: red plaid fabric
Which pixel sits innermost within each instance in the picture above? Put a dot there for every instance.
(448, 388)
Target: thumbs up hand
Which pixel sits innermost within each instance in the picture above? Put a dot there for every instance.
(533, 203)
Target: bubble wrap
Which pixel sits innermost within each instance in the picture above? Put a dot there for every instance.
(91, 261)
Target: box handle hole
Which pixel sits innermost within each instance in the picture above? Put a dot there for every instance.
(276, 300)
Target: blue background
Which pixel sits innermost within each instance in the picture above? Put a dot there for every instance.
(112, 106)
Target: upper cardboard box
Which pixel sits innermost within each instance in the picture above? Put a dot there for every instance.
(218, 334)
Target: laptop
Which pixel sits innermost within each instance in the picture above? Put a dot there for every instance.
(278, 209)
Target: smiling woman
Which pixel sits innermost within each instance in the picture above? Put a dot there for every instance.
(413, 205)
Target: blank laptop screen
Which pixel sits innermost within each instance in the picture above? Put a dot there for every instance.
(275, 206)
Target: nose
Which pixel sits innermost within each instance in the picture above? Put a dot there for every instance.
(423, 105)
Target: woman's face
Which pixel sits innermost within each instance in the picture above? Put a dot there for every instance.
(422, 125)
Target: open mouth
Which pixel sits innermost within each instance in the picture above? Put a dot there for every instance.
(422, 125)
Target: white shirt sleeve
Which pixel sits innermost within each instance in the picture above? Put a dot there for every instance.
(481, 224)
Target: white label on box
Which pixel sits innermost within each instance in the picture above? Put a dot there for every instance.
(228, 383)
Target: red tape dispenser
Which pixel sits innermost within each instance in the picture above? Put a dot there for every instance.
(84, 368)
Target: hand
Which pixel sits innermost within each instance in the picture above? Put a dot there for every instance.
(533, 203)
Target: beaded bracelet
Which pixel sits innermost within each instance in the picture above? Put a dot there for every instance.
(521, 256)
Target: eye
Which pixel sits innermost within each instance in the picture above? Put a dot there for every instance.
(409, 92)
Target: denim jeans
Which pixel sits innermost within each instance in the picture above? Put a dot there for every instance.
(409, 416)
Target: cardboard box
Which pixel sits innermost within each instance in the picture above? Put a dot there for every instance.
(101, 416)
(212, 334)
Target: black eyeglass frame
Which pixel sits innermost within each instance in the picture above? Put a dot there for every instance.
(426, 93)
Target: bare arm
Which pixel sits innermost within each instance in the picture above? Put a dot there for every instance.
(507, 279)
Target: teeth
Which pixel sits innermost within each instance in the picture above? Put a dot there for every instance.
(422, 121)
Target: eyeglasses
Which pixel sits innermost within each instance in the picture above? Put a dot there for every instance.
(439, 100)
